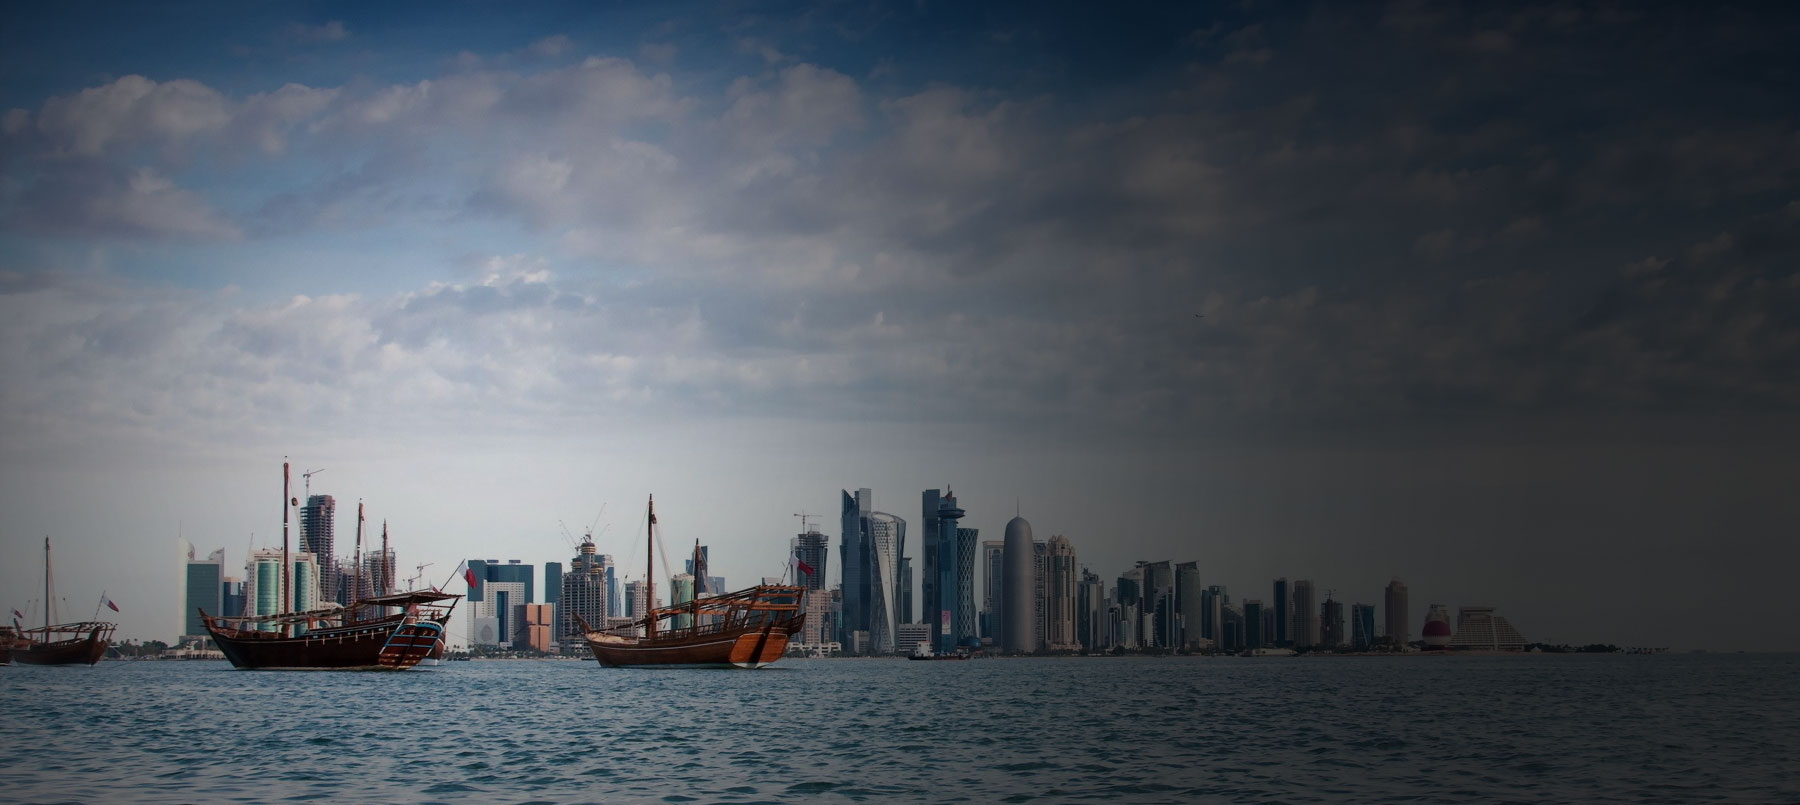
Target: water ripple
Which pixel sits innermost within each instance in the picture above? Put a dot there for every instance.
(1412, 729)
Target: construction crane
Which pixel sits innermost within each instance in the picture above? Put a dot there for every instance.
(804, 527)
(308, 476)
(413, 583)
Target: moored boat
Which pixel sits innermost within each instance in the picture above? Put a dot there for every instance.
(336, 638)
(745, 629)
(81, 643)
(368, 634)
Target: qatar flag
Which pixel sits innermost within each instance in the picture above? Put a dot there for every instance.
(804, 567)
(112, 606)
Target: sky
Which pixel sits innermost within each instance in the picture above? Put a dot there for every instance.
(1501, 301)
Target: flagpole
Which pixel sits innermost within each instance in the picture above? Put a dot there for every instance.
(99, 604)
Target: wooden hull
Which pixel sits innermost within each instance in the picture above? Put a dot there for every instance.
(77, 651)
(391, 644)
(751, 646)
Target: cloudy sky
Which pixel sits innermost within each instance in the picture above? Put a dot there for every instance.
(1501, 301)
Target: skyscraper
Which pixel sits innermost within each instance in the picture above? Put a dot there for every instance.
(810, 549)
(1187, 601)
(993, 563)
(931, 604)
(581, 596)
(967, 624)
(1398, 631)
(205, 586)
(496, 600)
(885, 535)
(1018, 588)
(903, 593)
(1280, 608)
(853, 553)
(262, 587)
(1212, 615)
(1362, 626)
(1059, 605)
(1305, 613)
(317, 524)
(1331, 623)
(1254, 636)
(1092, 630)
(943, 601)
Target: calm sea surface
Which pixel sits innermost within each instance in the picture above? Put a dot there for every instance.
(1694, 728)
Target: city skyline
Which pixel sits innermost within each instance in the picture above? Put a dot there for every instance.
(1496, 300)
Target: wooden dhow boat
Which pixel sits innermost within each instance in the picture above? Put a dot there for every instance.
(749, 628)
(366, 635)
(81, 643)
(338, 639)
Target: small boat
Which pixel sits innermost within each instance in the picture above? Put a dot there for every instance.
(62, 643)
(366, 635)
(922, 651)
(749, 628)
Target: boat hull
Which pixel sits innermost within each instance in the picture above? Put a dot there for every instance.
(77, 651)
(394, 644)
(748, 647)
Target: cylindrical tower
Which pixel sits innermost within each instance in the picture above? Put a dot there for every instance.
(1020, 582)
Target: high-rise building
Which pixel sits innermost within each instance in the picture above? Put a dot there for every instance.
(581, 595)
(205, 587)
(1231, 629)
(1305, 627)
(1060, 610)
(1398, 632)
(635, 606)
(942, 552)
(1093, 630)
(1019, 588)
(317, 523)
(1362, 626)
(853, 553)
(1254, 635)
(968, 632)
(903, 593)
(885, 536)
(231, 604)
(1212, 615)
(992, 565)
(1159, 589)
(1331, 623)
(810, 549)
(262, 588)
(1187, 601)
(1283, 625)
(495, 602)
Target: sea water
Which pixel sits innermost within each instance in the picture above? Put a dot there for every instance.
(1522, 728)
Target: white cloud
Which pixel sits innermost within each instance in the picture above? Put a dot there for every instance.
(131, 110)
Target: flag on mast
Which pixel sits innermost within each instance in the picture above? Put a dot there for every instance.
(110, 605)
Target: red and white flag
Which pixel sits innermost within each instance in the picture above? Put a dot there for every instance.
(468, 573)
(18, 615)
(804, 567)
(112, 606)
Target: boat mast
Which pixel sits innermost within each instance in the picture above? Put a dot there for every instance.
(355, 592)
(650, 569)
(387, 567)
(49, 602)
(282, 606)
(699, 574)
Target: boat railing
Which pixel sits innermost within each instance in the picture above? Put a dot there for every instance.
(82, 629)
